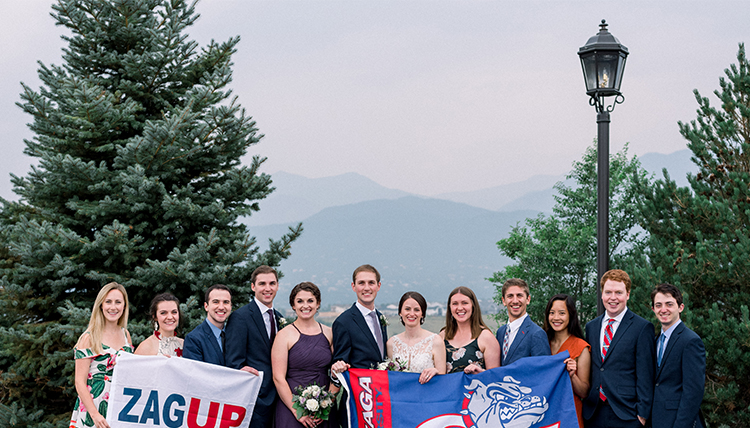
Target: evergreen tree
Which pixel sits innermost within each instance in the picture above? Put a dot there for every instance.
(699, 241)
(139, 180)
(557, 253)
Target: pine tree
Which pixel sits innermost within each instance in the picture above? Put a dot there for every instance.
(699, 241)
(557, 253)
(139, 180)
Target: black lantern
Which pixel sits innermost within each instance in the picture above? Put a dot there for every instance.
(603, 62)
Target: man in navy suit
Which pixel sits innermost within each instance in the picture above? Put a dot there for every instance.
(250, 333)
(206, 342)
(520, 337)
(680, 364)
(360, 332)
(622, 360)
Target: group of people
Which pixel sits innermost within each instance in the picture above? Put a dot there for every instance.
(621, 375)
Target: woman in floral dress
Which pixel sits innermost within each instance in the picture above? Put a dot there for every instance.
(95, 353)
(165, 312)
(470, 346)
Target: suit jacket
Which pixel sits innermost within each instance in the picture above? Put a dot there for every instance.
(353, 342)
(678, 391)
(530, 341)
(248, 344)
(627, 373)
(201, 345)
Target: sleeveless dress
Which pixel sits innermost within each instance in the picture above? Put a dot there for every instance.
(457, 359)
(418, 357)
(575, 345)
(308, 361)
(171, 346)
(99, 381)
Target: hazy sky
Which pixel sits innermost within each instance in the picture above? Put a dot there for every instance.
(427, 96)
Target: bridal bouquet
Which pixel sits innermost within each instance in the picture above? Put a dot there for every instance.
(312, 400)
(394, 365)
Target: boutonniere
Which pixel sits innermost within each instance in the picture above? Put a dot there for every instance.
(282, 322)
(383, 320)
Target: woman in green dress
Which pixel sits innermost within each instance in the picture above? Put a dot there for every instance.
(95, 354)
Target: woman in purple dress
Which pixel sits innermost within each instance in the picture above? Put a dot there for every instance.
(301, 355)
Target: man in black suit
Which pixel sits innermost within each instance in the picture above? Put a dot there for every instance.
(360, 332)
(250, 333)
(622, 360)
(206, 342)
(680, 364)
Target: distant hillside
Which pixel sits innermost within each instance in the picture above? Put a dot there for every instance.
(297, 197)
(427, 245)
(678, 164)
(500, 198)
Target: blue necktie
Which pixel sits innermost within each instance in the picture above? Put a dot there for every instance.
(660, 351)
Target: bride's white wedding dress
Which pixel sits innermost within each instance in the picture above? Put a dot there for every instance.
(417, 357)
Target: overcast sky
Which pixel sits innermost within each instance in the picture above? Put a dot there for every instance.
(427, 96)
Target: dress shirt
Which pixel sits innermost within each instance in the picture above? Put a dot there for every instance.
(374, 329)
(217, 333)
(668, 333)
(266, 316)
(514, 327)
(605, 320)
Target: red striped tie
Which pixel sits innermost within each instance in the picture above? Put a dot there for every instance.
(605, 347)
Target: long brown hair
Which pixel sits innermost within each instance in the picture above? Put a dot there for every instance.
(477, 324)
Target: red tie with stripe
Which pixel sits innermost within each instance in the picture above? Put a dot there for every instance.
(605, 347)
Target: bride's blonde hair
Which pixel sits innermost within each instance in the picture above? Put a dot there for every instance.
(97, 321)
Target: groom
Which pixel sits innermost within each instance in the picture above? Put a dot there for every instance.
(359, 333)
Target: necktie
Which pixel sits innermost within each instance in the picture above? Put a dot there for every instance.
(660, 351)
(273, 324)
(378, 333)
(223, 341)
(605, 347)
(506, 341)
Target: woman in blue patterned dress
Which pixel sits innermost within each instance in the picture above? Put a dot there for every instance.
(95, 354)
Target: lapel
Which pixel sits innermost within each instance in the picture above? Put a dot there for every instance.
(211, 338)
(625, 324)
(260, 325)
(671, 344)
(520, 336)
(359, 319)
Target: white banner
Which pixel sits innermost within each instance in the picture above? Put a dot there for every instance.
(156, 391)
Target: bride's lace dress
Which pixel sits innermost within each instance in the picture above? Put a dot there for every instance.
(418, 357)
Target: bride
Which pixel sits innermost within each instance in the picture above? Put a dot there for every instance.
(422, 351)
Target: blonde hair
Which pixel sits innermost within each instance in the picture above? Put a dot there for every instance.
(97, 321)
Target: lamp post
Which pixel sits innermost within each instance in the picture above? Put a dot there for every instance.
(603, 62)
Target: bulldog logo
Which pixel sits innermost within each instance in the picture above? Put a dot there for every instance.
(504, 404)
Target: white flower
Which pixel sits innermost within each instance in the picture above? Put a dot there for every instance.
(315, 390)
(311, 405)
(326, 403)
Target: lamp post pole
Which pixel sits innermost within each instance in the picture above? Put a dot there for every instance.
(603, 63)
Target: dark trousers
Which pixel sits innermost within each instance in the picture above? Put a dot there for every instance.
(605, 417)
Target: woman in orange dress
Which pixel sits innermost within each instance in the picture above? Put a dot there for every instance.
(564, 333)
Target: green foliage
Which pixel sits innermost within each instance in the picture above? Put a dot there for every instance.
(699, 241)
(557, 253)
(139, 180)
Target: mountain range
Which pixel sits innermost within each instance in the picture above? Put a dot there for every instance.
(428, 244)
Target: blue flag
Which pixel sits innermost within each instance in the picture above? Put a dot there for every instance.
(534, 392)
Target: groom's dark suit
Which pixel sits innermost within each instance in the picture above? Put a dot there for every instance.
(248, 345)
(627, 373)
(680, 381)
(353, 341)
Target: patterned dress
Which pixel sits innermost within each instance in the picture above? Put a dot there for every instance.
(418, 357)
(457, 359)
(99, 382)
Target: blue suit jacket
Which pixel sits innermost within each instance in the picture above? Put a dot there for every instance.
(627, 373)
(353, 342)
(680, 381)
(248, 345)
(201, 345)
(531, 341)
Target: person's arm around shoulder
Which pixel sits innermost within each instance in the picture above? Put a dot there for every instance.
(644, 371)
(192, 348)
(82, 367)
(236, 341)
(693, 381)
(579, 370)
